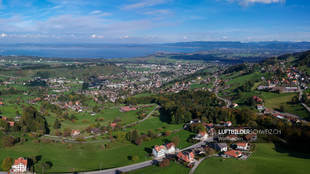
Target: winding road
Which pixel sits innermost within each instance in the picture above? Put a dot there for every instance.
(216, 90)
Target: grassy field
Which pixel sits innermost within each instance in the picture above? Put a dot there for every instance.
(239, 80)
(264, 160)
(196, 85)
(84, 157)
(154, 123)
(274, 101)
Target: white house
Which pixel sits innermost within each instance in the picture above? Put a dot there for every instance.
(260, 108)
(242, 146)
(162, 150)
(159, 151)
(170, 148)
(19, 166)
(75, 133)
(201, 136)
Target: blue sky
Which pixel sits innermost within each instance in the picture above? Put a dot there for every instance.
(153, 21)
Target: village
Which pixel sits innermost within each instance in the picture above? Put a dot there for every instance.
(128, 108)
(209, 143)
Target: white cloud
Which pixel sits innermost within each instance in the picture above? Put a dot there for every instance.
(3, 35)
(100, 13)
(94, 36)
(158, 12)
(95, 12)
(248, 2)
(124, 37)
(144, 3)
(263, 1)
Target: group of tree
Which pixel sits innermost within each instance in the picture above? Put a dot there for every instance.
(32, 121)
(186, 105)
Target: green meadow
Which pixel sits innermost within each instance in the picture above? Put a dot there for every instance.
(89, 156)
(265, 159)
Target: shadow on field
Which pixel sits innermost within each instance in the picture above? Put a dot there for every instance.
(292, 151)
(164, 116)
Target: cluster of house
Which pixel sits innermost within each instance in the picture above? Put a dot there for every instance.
(235, 150)
(162, 151)
(177, 87)
(76, 106)
(151, 78)
(127, 109)
(285, 116)
(260, 103)
(290, 83)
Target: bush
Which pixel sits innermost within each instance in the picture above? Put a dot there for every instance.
(8, 141)
(135, 158)
(6, 164)
(164, 163)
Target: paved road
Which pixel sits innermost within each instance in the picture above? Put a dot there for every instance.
(139, 165)
(216, 90)
(307, 107)
(300, 98)
(123, 169)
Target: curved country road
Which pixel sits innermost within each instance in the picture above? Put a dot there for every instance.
(135, 166)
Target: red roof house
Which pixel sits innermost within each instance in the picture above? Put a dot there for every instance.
(186, 156)
(233, 153)
(11, 123)
(19, 166)
(127, 109)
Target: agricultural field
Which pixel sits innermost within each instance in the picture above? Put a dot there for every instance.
(274, 101)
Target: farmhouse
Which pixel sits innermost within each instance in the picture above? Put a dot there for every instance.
(11, 123)
(257, 99)
(201, 136)
(251, 137)
(162, 150)
(242, 146)
(186, 156)
(127, 109)
(233, 153)
(19, 166)
(75, 133)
